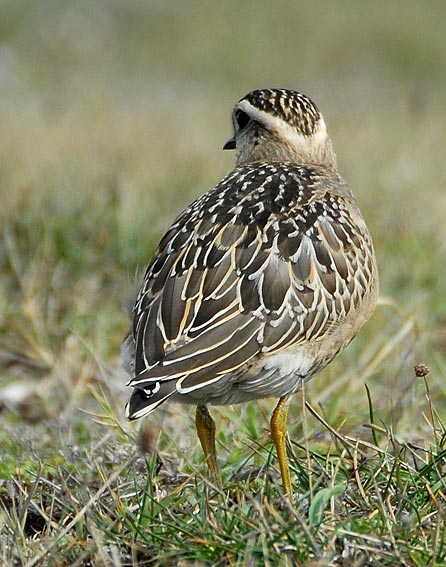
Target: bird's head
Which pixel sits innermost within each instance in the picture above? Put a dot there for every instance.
(280, 125)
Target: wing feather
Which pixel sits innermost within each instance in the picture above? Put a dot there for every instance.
(229, 284)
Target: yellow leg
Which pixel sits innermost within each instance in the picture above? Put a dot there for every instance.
(278, 434)
(206, 434)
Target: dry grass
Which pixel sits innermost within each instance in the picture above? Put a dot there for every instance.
(113, 116)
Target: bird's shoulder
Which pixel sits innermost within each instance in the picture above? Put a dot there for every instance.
(268, 206)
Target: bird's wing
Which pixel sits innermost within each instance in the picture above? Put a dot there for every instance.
(252, 276)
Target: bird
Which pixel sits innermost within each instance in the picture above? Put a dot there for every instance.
(260, 283)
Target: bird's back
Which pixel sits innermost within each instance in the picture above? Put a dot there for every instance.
(255, 287)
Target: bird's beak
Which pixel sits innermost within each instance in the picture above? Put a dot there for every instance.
(230, 144)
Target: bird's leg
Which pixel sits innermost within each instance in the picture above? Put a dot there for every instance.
(206, 434)
(278, 434)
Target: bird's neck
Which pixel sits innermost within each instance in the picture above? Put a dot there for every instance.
(317, 155)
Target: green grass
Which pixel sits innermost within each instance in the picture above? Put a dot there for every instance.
(82, 495)
(113, 116)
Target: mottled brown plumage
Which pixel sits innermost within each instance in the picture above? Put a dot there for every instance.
(263, 280)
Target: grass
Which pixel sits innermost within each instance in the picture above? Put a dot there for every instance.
(109, 130)
(374, 500)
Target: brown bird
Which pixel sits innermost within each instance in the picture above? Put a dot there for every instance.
(260, 282)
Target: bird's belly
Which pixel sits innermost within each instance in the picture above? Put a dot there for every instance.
(270, 376)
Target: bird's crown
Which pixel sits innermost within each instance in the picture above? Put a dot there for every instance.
(290, 106)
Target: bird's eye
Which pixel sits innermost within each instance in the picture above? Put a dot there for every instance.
(242, 119)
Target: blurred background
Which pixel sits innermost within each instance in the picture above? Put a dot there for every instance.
(113, 116)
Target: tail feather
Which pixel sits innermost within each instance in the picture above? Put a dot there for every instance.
(144, 401)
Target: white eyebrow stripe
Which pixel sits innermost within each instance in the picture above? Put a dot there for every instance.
(287, 131)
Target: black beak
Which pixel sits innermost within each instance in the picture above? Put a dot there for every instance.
(230, 144)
